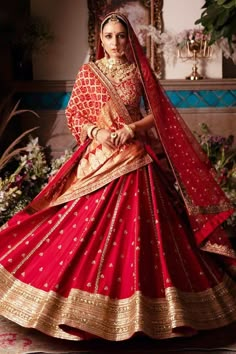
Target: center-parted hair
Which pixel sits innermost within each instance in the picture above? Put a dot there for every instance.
(113, 18)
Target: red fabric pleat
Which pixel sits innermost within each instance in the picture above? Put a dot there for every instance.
(111, 237)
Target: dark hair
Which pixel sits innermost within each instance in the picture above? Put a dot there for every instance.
(117, 18)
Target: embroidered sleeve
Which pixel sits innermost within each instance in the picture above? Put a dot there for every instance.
(79, 112)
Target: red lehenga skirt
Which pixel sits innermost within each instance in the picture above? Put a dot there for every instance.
(119, 261)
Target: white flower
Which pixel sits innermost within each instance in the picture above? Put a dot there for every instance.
(166, 42)
(228, 52)
(33, 145)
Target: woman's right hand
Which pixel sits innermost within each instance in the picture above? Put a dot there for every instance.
(104, 137)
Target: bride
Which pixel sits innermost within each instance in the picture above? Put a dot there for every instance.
(127, 237)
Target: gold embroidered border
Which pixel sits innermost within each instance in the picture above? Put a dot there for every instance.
(219, 249)
(115, 319)
(101, 181)
(198, 209)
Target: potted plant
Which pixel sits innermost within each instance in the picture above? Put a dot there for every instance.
(218, 20)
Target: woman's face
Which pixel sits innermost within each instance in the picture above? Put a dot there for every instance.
(114, 38)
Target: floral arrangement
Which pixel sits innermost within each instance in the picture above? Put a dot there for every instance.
(170, 44)
(194, 39)
(222, 155)
(192, 35)
(29, 173)
(228, 48)
(166, 41)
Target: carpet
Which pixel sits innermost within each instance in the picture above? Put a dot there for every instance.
(18, 340)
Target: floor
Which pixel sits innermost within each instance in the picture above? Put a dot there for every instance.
(217, 341)
(18, 340)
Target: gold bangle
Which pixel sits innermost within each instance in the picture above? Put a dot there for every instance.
(94, 130)
(89, 130)
(96, 133)
(130, 130)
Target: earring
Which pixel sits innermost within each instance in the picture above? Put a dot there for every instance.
(104, 51)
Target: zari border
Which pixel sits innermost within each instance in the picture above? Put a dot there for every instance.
(202, 209)
(218, 249)
(102, 181)
(117, 319)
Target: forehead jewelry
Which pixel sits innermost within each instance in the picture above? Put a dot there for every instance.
(113, 18)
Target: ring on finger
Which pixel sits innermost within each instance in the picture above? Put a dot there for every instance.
(113, 135)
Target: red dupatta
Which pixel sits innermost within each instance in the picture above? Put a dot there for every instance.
(205, 201)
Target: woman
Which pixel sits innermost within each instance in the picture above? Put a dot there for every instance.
(111, 247)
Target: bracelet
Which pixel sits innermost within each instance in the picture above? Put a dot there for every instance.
(90, 129)
(96, 133)
(130, 130)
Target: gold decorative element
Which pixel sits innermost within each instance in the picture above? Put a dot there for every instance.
(195, 49)
(103, 171)
(116, 69)
(90, 129)
(98, 9)
(130, 130)
(117, 319)
(113, 18)
(198, 209)
(219, 249)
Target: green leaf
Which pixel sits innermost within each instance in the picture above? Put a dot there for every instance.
(208, 3)
(221, 2)
(222, 19)
(230, 5)
(218, 19)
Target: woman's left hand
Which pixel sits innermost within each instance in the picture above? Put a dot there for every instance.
(122, 137)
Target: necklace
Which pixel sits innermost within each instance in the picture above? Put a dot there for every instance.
(116, 69)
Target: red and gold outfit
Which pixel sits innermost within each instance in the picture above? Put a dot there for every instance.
(109, 248)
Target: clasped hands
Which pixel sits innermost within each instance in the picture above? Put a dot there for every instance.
(113, 139)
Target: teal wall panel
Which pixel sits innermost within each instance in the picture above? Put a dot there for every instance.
(179, 98)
